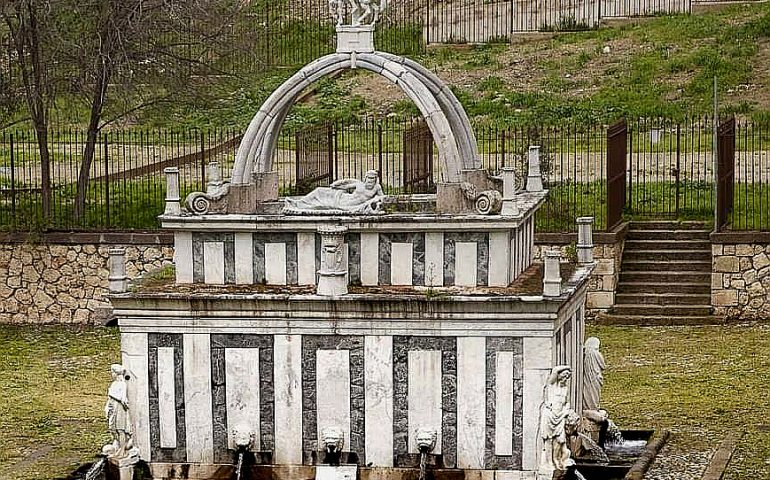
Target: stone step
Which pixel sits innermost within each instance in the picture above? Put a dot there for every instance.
(668, 234)
(667, 225)
(655, 287)
(665, 277)
(646, 298)
(662, 310)
(646, 245)
(667, 255)
(652, 320)
(650, 265)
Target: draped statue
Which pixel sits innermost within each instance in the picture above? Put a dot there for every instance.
(341, 197)
(554, 412)
(593, 379)
(362, 12)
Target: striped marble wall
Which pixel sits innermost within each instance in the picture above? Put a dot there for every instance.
(285, 389)
(465, 259)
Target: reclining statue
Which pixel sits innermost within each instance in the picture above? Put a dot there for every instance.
(343, 196)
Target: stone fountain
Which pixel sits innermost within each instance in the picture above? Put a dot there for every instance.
(341, 331)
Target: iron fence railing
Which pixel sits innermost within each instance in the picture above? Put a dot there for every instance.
(669, 169)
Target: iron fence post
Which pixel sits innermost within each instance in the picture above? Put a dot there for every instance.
(203, 162)
(107, 181)
(13, 181)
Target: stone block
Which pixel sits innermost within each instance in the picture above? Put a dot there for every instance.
(604, 267)
(744, 263)
(450, 199)
(756, 289)
(608, 283)
(716, 281)
(760, 261)
(744, 250)
(716, 249)
(242, 199)
(729, 250)
(724, 298)
(507, 475)
(726, 264)
(600, 299)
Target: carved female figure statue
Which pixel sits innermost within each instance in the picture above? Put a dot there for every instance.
(593, 379)
(347, 195)
(116, 411)
(553, 416)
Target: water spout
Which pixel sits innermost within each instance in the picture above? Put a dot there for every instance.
(423, 463)
(96, 469)
(426, 442)
(239, 463)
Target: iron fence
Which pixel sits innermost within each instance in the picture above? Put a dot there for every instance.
(669, 169)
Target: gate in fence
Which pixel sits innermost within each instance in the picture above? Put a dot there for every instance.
(725, 171)
(617, 152)
(418, 159)
(314, 157)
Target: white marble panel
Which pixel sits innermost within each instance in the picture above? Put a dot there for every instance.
(466, 264)
(538, 353)
(214, 263)
(424, 397)
(166, 397)
(504, 403)
(242, 392)
(370, 258)
(306, 271)
(183, 257)
(471, 402)
(275, 263)
(288, 399)
(199, 425)
(378, 392)
(333, 391)
(133, 347)
(401, 263)
(532, 397)
(434, 259)
(244, 259)
(499, 259)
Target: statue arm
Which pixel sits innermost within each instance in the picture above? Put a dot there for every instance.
(344, 184)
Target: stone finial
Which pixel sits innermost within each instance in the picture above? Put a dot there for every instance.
(332, 277)
(172, 192)
(509, 192)
(585, 242)
(534, 179)
(118, 280)
(552, 274)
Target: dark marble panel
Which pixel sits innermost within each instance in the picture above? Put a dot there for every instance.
(290, 239)
(482, 256)
(228, 241)
(354, 258)
(178, 454)
(355, 347)
(219, 388)
(418, 255)
(402, 345)
(495, 345)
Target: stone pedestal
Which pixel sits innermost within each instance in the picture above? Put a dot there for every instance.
(552, 274)
(118, 280)
(585, 242)
(534, 179)
(509, 193)
(358, 39)
(339, 472)
(332, 277)
(172, 192)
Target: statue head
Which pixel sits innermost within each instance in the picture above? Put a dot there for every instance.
(371, 178)
(425, 439)
(592, 343)
(333, 438)
(117, 371)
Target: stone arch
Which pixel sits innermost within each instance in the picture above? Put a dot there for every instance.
(442, 111)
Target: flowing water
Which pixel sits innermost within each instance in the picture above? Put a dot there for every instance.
(423, 465)
(239, 466)
(95, 471)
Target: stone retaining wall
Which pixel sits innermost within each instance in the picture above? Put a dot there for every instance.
(740, 278)
(65, 281)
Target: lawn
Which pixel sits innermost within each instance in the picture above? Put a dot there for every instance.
(701, 383)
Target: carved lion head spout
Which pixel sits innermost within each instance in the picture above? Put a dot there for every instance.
(426, 439)
(332, 439)
(243, 437)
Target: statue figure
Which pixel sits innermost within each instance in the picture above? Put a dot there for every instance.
(553, 417)
(593, 365)
(117, 412)
(581, 446)
(362, 12)
(343, 196)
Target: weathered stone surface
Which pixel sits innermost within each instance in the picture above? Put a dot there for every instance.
(724, 298)
(744, 293)
(726, 264)
(760, 261)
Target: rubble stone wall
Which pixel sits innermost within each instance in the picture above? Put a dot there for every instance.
(63, 279)
(740, 278)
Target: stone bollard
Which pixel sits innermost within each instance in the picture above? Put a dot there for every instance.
(172, 192)
(585, 242)
(552, 274)
(534, 180)
(332, 277)
(510, 208)
(118, 281)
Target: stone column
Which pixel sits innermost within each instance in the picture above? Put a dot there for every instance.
(585, 242)
(509, 193)
(172, 192)
(332, 277)
(534, 180)
(552, 274)
(118, 281)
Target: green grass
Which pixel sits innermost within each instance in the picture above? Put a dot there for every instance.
(701, 383)
(52, 390)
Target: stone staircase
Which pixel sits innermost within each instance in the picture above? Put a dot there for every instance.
(665, 276)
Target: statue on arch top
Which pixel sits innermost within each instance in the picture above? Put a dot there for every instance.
(362, 12)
